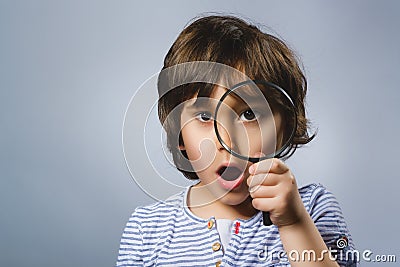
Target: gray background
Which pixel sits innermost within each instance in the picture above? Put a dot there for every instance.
(69, 68)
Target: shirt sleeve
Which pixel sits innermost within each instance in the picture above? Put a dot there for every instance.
(130, 250)
(328, 218)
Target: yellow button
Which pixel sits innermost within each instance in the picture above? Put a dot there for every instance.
(216, 246)
(218, 264)
(210, 223)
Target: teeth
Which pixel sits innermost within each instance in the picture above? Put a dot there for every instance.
(229, 173)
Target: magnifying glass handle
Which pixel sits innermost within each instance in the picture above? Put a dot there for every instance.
(267, 221)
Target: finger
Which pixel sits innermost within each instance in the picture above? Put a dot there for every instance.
(268, 179)
(269, 166)
(264, 204)
(261, 191)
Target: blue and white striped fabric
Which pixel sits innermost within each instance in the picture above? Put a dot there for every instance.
(169, 234)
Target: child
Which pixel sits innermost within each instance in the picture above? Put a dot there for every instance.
(214, 223)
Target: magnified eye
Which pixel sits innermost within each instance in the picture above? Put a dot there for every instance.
(204, 116)
(249, 115)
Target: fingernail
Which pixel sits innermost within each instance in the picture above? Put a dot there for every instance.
(254, 188)
(251, 169)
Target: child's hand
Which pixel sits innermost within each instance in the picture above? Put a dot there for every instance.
(273, 188)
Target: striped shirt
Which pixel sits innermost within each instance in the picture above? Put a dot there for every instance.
(167, 233)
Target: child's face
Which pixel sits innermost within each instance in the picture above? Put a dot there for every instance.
(208, 158)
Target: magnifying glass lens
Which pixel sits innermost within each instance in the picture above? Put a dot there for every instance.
(254, 121)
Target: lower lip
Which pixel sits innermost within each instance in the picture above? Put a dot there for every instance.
(230, 185)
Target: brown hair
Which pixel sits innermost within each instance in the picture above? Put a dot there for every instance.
(231, 41)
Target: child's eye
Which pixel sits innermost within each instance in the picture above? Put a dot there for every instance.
(204, 116)
(249, 115)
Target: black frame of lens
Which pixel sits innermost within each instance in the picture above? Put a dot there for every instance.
(276, 154)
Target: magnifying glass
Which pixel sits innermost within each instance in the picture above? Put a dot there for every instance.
(256, 120)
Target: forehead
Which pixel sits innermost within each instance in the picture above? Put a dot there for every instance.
(206, 96)
(217, 92)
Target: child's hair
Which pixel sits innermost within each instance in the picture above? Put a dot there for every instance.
(231, 41)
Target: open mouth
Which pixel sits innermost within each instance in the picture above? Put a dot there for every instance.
(230, 177)
(229, 173)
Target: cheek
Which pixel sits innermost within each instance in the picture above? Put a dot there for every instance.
(201, 149)
(269, 138)
(259, 141)
(279, 131)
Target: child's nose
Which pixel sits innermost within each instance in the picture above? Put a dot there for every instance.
(222, 137)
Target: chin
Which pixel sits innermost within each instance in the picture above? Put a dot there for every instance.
(233, 198)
